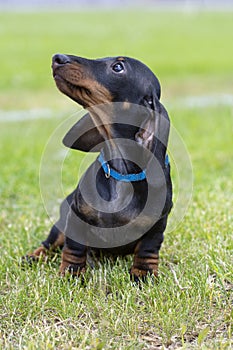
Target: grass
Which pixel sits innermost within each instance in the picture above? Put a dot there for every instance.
(190, 307)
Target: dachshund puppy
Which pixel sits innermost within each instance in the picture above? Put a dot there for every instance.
(122, 202)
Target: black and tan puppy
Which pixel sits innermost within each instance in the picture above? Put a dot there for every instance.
(122, 201)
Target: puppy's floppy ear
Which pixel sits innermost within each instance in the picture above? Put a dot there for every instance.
(83, 136)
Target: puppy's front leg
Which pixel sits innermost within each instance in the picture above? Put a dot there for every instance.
(146, 253)
(73, 258)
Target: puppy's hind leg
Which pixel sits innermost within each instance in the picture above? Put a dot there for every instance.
(56, 237)
(54, 240)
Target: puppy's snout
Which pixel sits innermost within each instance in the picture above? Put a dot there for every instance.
(60, 59)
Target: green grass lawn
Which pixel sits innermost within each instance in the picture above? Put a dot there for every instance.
(190, 307)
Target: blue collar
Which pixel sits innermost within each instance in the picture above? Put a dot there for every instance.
(117, 176)
(123, 177)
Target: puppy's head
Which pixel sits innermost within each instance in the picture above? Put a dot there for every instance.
(104, 82)
(114, 79)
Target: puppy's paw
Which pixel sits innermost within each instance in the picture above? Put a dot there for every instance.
(139, 276)
(39, 254)
(72, 270)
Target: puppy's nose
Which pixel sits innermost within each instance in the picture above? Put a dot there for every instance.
(60, 59)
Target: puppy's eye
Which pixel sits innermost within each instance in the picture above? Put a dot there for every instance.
(118, 67)
(148, 101)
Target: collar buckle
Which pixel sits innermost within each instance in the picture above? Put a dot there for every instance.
(108, 173)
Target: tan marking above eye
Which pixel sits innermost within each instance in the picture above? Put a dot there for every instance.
(126, 105)
(120, 59)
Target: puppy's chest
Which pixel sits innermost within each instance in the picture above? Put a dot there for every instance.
(110, 209)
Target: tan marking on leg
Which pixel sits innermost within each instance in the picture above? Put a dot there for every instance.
(142, 266)
(42, 253)
(137, 272)
(39, 253)
(69, 260)
(59, 242)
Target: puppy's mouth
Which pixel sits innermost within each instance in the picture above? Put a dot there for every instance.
(76, 92)
(79, 84)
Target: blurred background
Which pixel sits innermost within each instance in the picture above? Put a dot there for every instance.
(211, 4)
